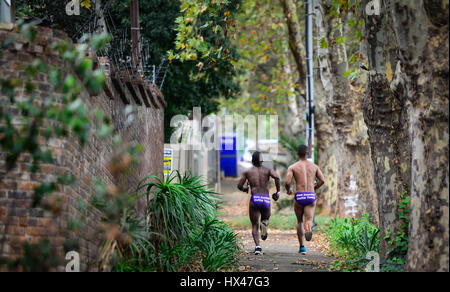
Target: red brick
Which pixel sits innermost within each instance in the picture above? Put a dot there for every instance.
(24, 204)
(23, 221)
(8, 185)
(36, 231)
(28, 186)
(16, 230)
(69, 157)
(47, 169)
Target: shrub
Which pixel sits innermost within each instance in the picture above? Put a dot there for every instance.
(187, 236)
(352, 239)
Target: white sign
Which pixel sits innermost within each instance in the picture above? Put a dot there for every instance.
(8, 2)
(168, 157)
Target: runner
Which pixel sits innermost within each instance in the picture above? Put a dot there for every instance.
(258, 177)
(304, 172)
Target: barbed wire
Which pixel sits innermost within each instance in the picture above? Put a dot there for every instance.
(119, 50)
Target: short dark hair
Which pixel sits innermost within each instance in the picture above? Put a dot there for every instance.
(302, 150)
(256, 159)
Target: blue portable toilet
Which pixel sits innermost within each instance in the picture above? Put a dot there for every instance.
(228, 156)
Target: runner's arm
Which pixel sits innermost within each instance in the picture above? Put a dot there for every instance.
(241, 183)
(289, 176)
(275, 176)
(321, 179)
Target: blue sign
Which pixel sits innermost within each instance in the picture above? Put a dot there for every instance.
(228, 156)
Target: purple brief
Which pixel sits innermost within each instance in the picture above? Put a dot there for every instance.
(261, 201)
(305, 199)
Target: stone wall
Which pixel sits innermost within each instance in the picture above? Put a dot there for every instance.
(19, 222)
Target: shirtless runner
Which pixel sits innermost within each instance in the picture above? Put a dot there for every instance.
(258, 177)
(304, 172)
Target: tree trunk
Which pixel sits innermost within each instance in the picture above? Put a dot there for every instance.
(406, 110)
(293, 111)
(295, 36)
(344, 151)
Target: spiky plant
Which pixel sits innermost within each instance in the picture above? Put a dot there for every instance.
(176, 205)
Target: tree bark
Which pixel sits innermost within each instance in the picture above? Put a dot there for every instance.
(293, 111)
(385, 112)
(406, 110)
(344, 151)
(295, 36)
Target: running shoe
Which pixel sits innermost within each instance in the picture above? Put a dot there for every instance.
(264, 226)
(258, 250)
(302, 250)
(308, 230)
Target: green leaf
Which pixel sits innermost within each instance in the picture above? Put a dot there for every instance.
(69, 84)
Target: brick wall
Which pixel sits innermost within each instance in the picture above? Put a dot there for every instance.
(18, 221)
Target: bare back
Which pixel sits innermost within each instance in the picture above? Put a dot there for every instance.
(305, 173)
(258, 178)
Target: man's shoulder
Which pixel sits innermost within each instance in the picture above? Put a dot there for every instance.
(250, 170)
(315, 166)
(293, 166)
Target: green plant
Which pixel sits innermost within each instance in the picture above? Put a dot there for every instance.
(351, 239)
(176, 207)
(213, 247)
(186, 234)
(218, 243)
(396, 256)
(195, 20)
(37, 257)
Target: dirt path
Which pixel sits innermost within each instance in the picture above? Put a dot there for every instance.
(280, 250)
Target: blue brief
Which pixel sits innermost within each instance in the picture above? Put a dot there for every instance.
(261, 201)
(305, 198)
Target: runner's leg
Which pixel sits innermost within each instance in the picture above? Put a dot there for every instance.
(254, 219)
(265, 216)
(299, 213)
(309, 217)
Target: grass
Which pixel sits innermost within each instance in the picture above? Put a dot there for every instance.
(280, 222)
